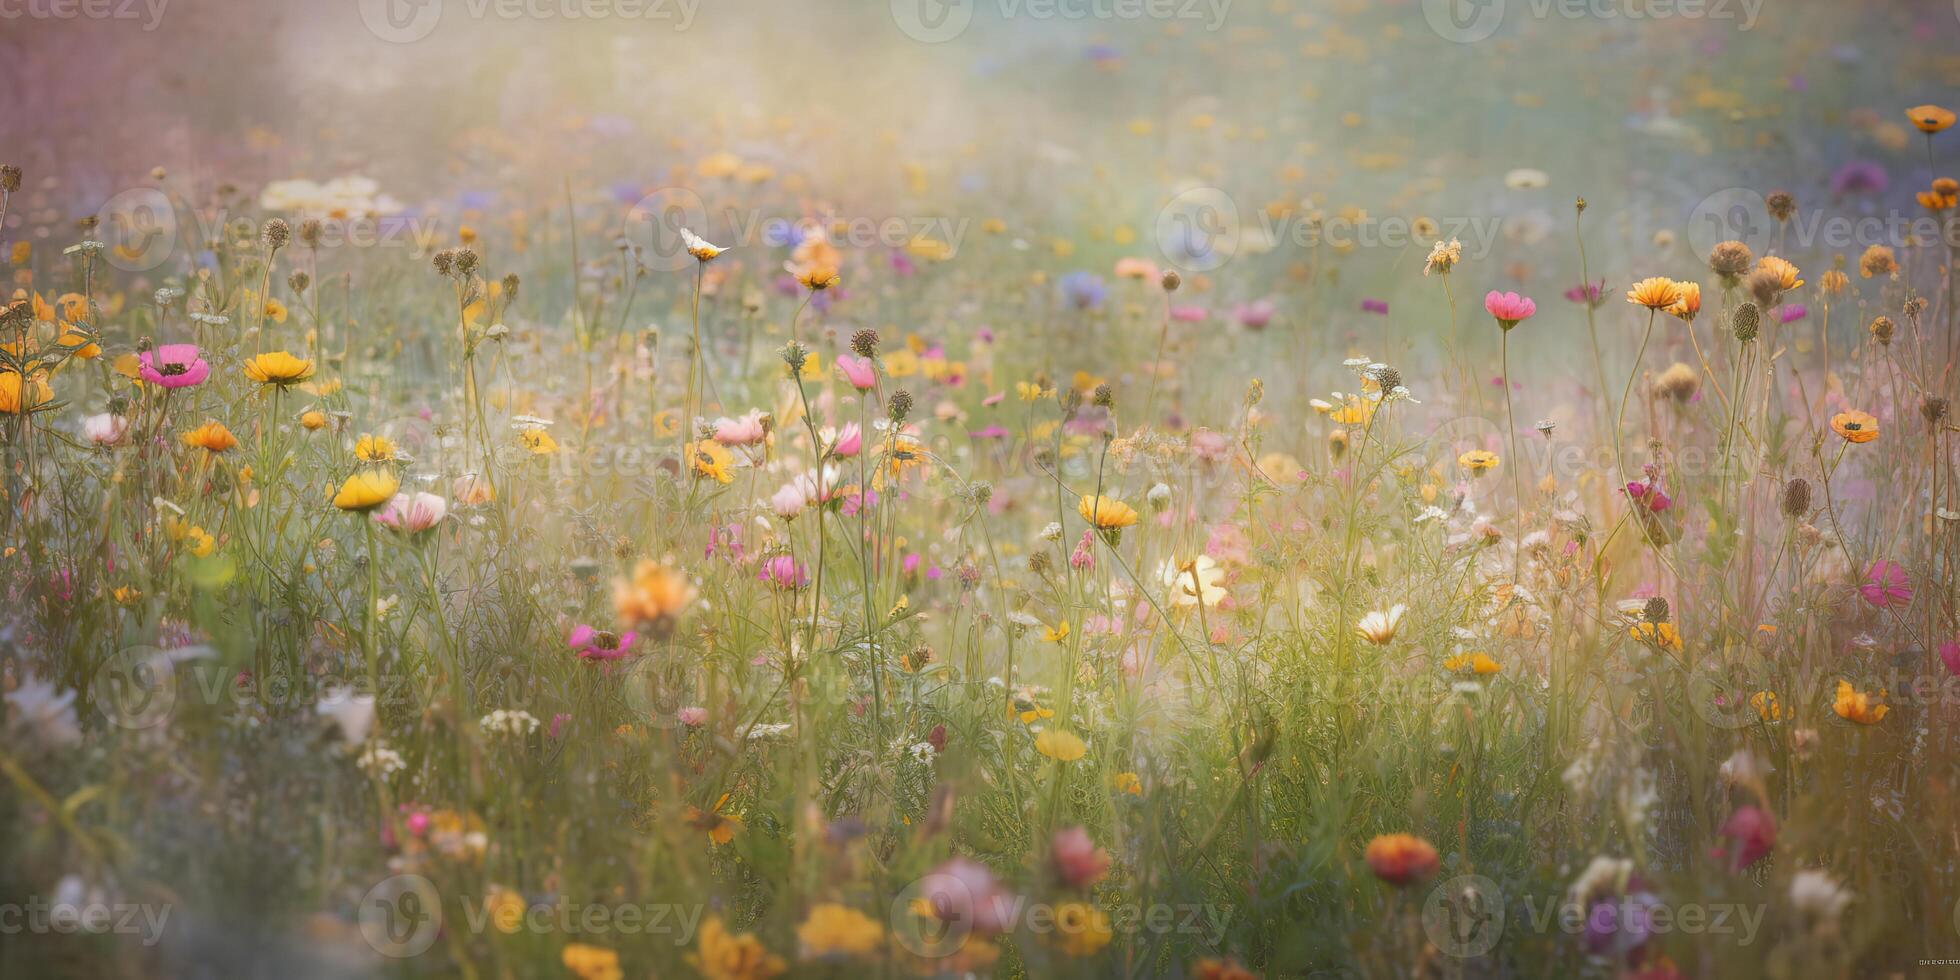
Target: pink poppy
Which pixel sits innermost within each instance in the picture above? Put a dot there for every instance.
(1885, 585)
(859, 371)
(595, 644)
(173, 366)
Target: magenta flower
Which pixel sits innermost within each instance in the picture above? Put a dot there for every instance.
(1508, 308)
(1376, 306)
(173, 366)
(1750, 835)
(859, 371)
(1885, 585)
(1649, 496)
(1950, 655)
(596, 644)
(783, 572)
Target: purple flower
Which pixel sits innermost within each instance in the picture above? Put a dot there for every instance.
(1375, 306)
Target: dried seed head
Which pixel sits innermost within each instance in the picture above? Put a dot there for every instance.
(444, 261)
(1105, 397)
(298, 281)
(1389, 379)
(1038, 562)
(1748, 319)
(276, 234)
(1655, 611)
(1765, 285)
(466, 261)
(1679, 382)
(1881, 328)
(9, 178)
(900, 405)
(309, 232)
(864, 343)
(1781, 205)
(1933, 408)
(1172, 280)
(1730, 259)
(511, 282)
(1915, 306)
(1796, 498)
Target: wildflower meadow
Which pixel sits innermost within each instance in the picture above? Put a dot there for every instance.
(1107, 488)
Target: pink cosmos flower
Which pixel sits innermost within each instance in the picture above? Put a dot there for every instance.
(1885, 585)
(1508, 308)
(859, 371)
(783, 572)
(1078, 861)
(1750, 834)
(595, 644)
(173, 366)
(744, 431)
(692, 716)
(850, 441)
(966, 891)
(411, 513)
(1256, 314)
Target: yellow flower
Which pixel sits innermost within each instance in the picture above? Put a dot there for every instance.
(1478, 460)
(16, 397)
(1766, 705)
(720, 827)
(1059, 745)
(83, 344)
(1057, 633)
(815, 278)
(1655, 293)
(1859, 706)
(374, 449)
(275, 311)
(1127, 782)
(1930, 118)
(1106, 513)
(1785, 273)
(1472, 663)
(312, 419)
(200, 541)
(211, 436)
(366, 489)
(1662, 635)
(1689, 303)
(588, 962)
(278, 368)
(1029, 710)
(723, 955)
(1855, 426)
(711, 459)
(539, 442)
(834, 930)
(1081, 929)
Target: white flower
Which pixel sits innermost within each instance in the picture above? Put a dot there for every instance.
(1185, 590)
(514, 722)
(767, 731)
(380, 760)
(106, 429)
(1819, 896)
(354, 713)
(46, 712)
(1053, 532)
(922, 752)
(1604, 876)
(698, 246)
(1379, 627)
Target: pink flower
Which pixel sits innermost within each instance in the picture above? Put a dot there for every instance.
(965, 891)
(412, 513)
(1189, 314)
(783, 572)
(788, 502)
(1084, 555)
(1750, 834)
(850, 441)
(1649, 496)
(106, 429)
(1508, 308)
(595, 644)
(744, 431)
(1885, 585)
(1950, 655)
(692, 716)
(1254, 315)
(173, 366)
(859, 371)
(1078, 860)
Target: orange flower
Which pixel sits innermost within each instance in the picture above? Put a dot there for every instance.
(1785, 273)
(1400, 859)
(1863, 707)
(1855, 426)
(1689, 305)
(1655, 293)
(17, 396)
(655, 593)
(211, 436)
(1930, 118)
